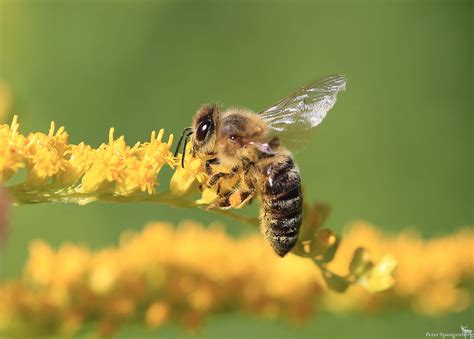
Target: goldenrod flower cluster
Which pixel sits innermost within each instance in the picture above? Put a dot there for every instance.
(183, 275)
(54, 166)
(57, 171)
(157, 276)
(432, 277)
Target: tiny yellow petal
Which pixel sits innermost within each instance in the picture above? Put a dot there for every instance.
(208, 196)
(157, 314)
(379, 277)
(184, 177)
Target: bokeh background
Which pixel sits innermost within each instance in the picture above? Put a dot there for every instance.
(396, 150)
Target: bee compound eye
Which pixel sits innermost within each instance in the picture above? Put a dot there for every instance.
(203, 130)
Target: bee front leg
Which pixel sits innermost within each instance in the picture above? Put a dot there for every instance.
(209, 163)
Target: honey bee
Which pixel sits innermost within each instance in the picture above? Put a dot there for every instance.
(247, 150)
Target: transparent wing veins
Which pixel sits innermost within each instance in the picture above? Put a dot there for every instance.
(304, 109)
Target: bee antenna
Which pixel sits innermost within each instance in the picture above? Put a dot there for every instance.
(186, 138)
(186, 130)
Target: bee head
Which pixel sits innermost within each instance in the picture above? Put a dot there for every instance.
(204, 128)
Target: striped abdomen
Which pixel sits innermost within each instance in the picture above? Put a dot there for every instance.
(282, 204)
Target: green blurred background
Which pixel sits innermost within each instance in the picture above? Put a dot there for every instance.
(396, 150)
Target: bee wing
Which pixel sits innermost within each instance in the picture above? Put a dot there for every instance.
(262, 147)
(293, 118)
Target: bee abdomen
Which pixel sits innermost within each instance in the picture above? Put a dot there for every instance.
(282, 205)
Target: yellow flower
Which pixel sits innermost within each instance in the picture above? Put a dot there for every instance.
(44, 155)
(157, 314)
(208, 196)
(379, 278)
(103, 272)
(40, 268)
(109, 164)
(141, 169)
(12, 146)
(78, 160)
(184, 177)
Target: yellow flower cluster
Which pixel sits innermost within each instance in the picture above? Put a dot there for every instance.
(53, 164)
(182, 275)
(184, 177)
(432, 277)
(159, 275)
(57, 171)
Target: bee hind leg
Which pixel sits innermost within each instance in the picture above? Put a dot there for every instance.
(244, 193)
(245, 197)
(236, 198)
(223, 202)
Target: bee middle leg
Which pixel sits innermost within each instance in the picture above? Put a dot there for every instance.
(215, 178)
(237, 197)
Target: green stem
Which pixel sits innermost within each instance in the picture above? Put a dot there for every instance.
(21, 195)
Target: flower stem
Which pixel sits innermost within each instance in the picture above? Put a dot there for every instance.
(21, 195)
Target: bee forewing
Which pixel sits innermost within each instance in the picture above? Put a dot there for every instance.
(295, 116)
